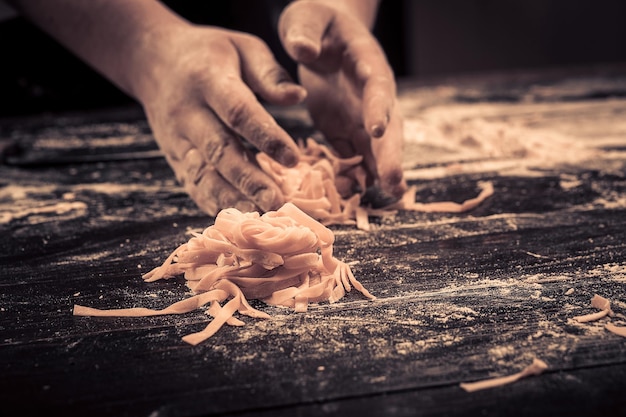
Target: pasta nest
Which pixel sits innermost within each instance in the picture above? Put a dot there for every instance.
(283, 257)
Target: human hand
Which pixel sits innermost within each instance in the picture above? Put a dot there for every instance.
(198, 95)
(350, 87)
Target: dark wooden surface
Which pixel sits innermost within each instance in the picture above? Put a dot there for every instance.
(461, 297)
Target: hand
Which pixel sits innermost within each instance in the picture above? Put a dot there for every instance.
(350, 87)
(198, 94)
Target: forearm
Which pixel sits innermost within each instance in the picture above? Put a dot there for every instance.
(113, 36)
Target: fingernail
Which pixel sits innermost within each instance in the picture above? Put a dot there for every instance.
(287, 157)
(302, 93)
(305, 50)
(291, 88)
(378, 131)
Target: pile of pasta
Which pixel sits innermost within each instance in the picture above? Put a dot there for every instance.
(322, 185)
(282, 257)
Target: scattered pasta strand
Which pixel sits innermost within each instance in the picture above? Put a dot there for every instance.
(601, 304)
(283, 257)
(592, 316)
(536, 368)
(618, 330)
(604, 305)
(408, 201)
(224, 314)
(180, 307)
(214, 310)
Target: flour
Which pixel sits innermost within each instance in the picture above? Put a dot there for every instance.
(119, 189)
(15, 193)
(516, 139)
(39, 214)
(501, 352)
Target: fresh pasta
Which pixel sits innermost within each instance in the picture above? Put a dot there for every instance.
(282, 257)
(323, 186)
(535, 368)
(604, 305)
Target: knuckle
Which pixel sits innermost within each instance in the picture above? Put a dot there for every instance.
(175, 149)
(254, 188)
(200, 74)
(251, 39)
(274, 75)
(215, 149)
(247, 182)
(176, 113)
(237, 115)
(194, 165)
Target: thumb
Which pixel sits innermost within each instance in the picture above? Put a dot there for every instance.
(301, 28)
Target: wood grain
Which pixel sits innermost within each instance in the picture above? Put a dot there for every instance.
(461, 297)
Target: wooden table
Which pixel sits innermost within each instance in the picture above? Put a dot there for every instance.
(87, 205)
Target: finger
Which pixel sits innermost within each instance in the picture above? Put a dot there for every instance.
(362, 144)
(344, 148)
(187, 167)
(301, 28)
(212, 189)
(334, 108)
(388, 153)
(238, 168)
(204, 185)
(365, 60)
(378, 102)
(223, 152)
(264, 75)
(237, 107)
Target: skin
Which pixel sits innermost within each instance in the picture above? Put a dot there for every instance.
(202, 114)
(351, 87)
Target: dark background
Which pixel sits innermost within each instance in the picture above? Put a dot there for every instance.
(422, 38)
